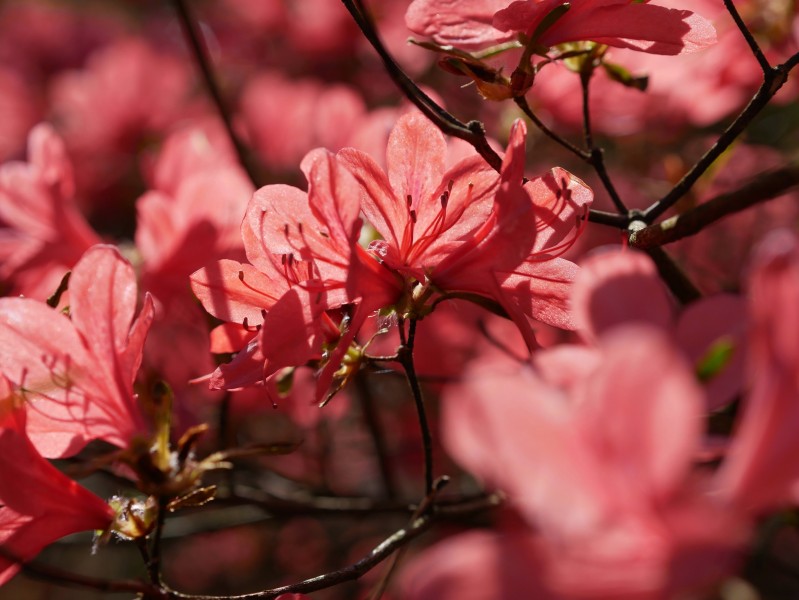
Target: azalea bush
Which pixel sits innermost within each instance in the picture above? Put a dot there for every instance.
(416, 300)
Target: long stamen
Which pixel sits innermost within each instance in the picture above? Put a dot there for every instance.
(564, 245)
(438, 224)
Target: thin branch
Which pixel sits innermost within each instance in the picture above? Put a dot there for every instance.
(610, 219)
(352, 572)
(334, 506)
(671, 273)
(762, 188)
(425, 505)
(593, 156)
(154, 562)
(585, 86)
(521, 102)
(406, 359)
(61, 577)
(201, 57)
(333, 578)
(773, 80)
(472, 132)
(597, 155)
(753, 45)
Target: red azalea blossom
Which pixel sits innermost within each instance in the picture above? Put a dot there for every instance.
(77, 372)
(301, 247)
(465, 230)
(622, 23)
(42, 233)
(610, 506)
(38, 503)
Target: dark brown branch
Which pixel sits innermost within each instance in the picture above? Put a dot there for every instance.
(154, 562)
(607, 218)
(679, 283)
(472, 132)
(593, 156)
(406, 359)
(64, 578)
(523, 105)
(333, 578)
(352, 572)
(753, 45)
(201, 57)
(774, 78)
(762, 188)
(597, 155)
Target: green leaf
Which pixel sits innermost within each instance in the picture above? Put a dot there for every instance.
(715, 359)
(624, 77)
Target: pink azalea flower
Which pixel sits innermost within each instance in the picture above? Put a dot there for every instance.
(44, 233)
(302, 247)
(449, 230)
(38, 503)
(620, 287)
(191, 149)
(610, 502)
(194, 220)
(624, 23)
(189, 218)
(724, 75)
(76, 372)
(286, 118)
(612, 505)
(465, 230)
(126, 91)
(760, 472)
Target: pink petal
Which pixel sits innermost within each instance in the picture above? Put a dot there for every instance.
(103, 298)
(290, 335)
(760, 468)
(642, 382)
(477, 565)
(565, 366)
(709, 321)
(442, 226)
(415, 156)
(232, 291)
(510, 428)
(333, 199)
(229, 337)
(38, 503)
(504, 240)
(47, 152)
(383, 208)
(542, 290)
(616, 287)
(201, 146)
(646, 27)
(41, 352)
(561, 203)
(245, 370)
(461, 23)
(270, 225)
(155, 223)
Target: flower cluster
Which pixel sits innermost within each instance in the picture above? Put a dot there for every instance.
(231, 247)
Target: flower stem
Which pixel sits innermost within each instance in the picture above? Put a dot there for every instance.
(200, 53)
(406, 359)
